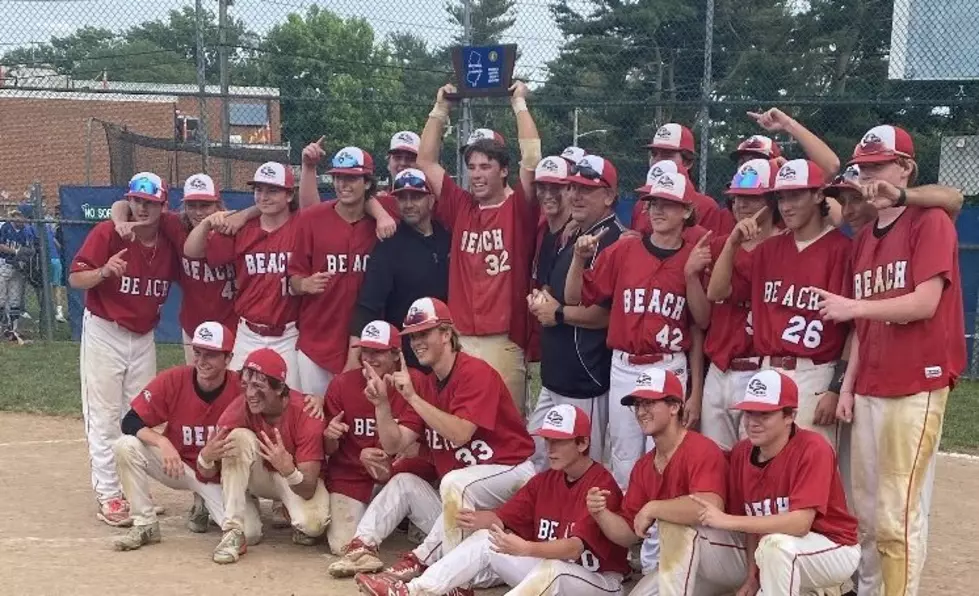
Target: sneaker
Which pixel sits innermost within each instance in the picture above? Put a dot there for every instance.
(280, 515)
(380, 585)
(115, 512)
(302, 539)
(60, 316)
(231, 547)
(357, 558)
(137, 536)
(407, 568)
(198, 519)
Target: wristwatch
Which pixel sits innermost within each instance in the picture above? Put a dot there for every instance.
(559, 314)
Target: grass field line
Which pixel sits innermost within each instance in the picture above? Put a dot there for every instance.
(49, 442)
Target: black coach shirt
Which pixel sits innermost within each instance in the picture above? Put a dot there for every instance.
(575, 362)
(402, 269)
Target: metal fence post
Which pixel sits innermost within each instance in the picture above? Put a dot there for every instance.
(41, 228)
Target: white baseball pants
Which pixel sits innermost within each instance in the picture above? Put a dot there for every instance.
(115, 365)
(345, 516)
(789, 565)
(507, 358)
(474, 560)
(695, 560)
(138, 462)
(404, 495)
(312, 378)
(245, 472)
(723, 389)
(247, 341)
(596, 408)
(895, 448)
(812, 379)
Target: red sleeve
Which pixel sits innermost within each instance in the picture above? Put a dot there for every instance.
(598, 282)
(588, 530)
(419, 466)
(812, 478)
(735, 494)
(309, 439)
(220, 249)
(95, 251)
(517, 514)
(637, 494)
(452, 199)
(301, 261)
(934, 244)
(153, 402)
(331, 400)
(708, 471)
(476, 397)
(234, 415)
(390, 204)
(174, 230)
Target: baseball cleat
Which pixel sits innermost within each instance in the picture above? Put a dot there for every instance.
(115, 512)
(137, 536)
(280, 515)
(380, 585)
(357, 558)
(231, 547)
(407, 568)
(198, 519)
(303, 539)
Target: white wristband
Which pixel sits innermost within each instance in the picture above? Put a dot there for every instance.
(440, 112)
(519, 104)
(203, 464)
(295, 478)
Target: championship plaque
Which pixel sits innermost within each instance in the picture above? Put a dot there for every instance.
(483, 71)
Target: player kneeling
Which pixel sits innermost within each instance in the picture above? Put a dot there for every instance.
(540, 541)
(800, 536)
(269, 447)
(683, 469)
(190, 400)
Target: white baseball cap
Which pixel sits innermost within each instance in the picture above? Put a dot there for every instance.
(149, 186)
(405, 141)
(769, 391)
(656, 384)
(213, 336)
(484, 133)
(200, 187)
(754, 177)
(425, 314)
(673, 136)
(274, 173)
(671, 187)
(656, 170)
(551, 170)
(573, 154)
(564, 421)
(380, 335)
(798, 174)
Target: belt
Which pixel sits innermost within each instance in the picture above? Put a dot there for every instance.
(646, 358)
(745, 364)
(265, 330)
(784, 362)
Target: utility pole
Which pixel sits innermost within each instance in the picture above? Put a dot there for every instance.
(574, 135)
(706, 91)
(465, 124)
(226, 181)
(202, 86)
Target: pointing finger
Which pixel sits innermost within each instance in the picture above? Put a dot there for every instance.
(600, 233)
(698, 500)
(338, 417)
(121, 253)
(321, 140)
(401, 360)
(704, 239)
(758, 214)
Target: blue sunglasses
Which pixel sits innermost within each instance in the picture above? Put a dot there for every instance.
(410, 182)
(144, 185)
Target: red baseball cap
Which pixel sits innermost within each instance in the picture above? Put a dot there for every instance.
(380, 335)
(352, 161)
(754, 177)
(759, 145)
(480, 134)
(425, 314)
(268, 362)
(573, 154)
(798, 174)
(882, 144)
(673, 136)
(200, 187)
(656, 170)
(274, 174)
(213, 336)
(411, 180)
(769, 391)
(670, 187)
(564, 422)
(552, 170)
(654, 385)
(405, 140)
(593, 170)
(148, 186)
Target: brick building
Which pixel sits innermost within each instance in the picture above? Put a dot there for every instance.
(50, 136)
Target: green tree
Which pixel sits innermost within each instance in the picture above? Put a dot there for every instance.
(490, 19)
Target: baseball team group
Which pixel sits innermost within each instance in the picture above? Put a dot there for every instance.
(738, 397)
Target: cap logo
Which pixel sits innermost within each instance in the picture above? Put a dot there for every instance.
(198, 184)
(656, 172)
(147, 395)
(664, 182)
(205, 334)
(644, 379)
(569, 152)
(415, 316)
(372, 332)
(479, 133)
(255, 366)
(787, 173)
(554, 418)
(664, 133)
(549, 165)
(405, 137)
(755, 142)
(748, 170)
(267, 171)
(757, 389)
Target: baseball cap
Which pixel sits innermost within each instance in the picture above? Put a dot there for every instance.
(274, 173)
(769, 391)
(564, 421)
(673, 136)
(410, 179)
(426, 313)
(200, 187)
(670, 186)
(655, 171)
(882, 144)
(798, 174)
(552, 170)
(754, 177)
(848, 180)
(573, 154)
(405, 140)
(213, 336)
(268, 362)
(484, 133)
(149, 186)
(655, 384)
(380, 335)
(758, 145)
(352, 161)
(593, 170)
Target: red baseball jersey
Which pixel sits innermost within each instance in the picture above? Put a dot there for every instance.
(135, 299)
(474, 391)
(697, 466)
(549, 507)
(709, 214)
(260, 261)
(490, 261)
(785, 310)
(802, 476)
(207, 293)
(922, 244)
(172, 399)
(344, 473)
(325, 242)
(649, 305)
(730, 334)
(302, 435)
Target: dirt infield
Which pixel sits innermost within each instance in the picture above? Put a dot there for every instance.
(51, 543)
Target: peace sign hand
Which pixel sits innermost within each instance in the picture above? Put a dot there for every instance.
(376, 390)
(401, 380)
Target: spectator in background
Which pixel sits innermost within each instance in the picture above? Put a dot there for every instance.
(16, 243)
(56, 269)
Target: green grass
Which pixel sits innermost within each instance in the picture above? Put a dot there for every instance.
(42, 378)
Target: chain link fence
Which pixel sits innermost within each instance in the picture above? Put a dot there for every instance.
(92, 91)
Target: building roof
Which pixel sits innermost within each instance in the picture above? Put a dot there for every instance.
(68, 95)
